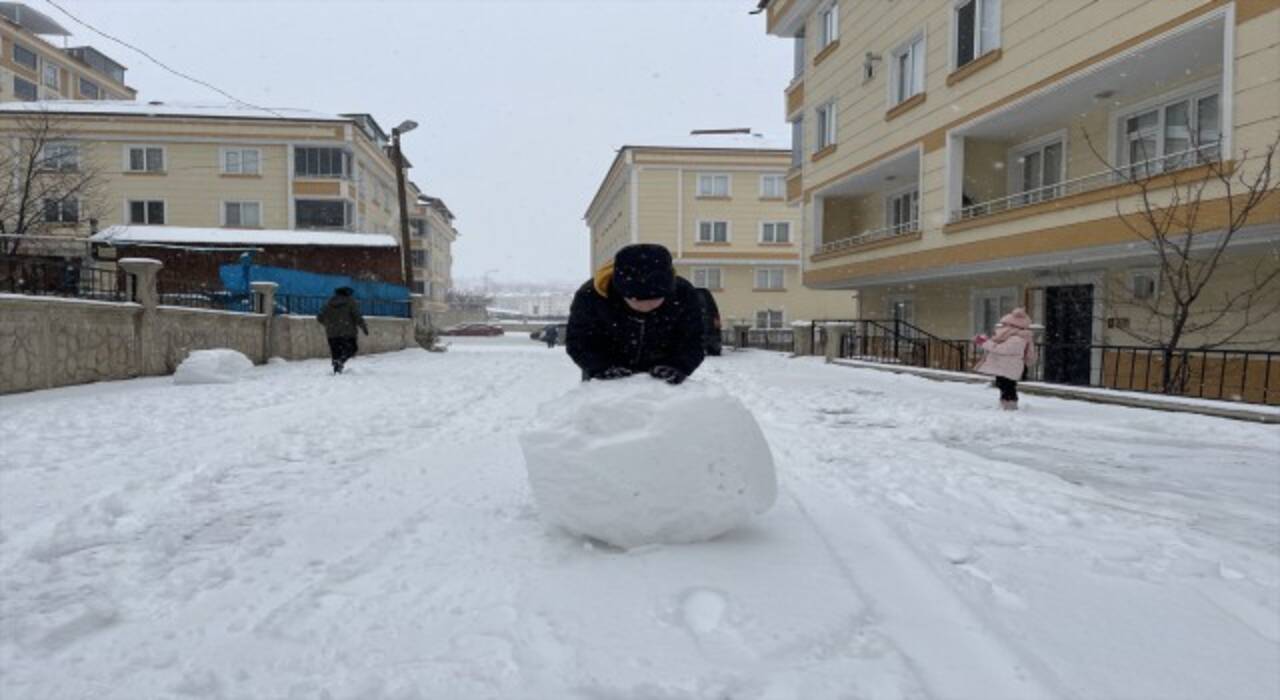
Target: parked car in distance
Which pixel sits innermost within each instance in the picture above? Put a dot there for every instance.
(473, 329)
(711, 338)
(561, 330)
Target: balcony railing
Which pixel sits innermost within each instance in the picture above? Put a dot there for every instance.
(879, 234)
(1129, 173)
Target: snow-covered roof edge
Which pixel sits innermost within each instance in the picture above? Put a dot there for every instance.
(141, 235)
(157, 108)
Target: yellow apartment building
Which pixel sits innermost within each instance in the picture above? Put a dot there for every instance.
(431, 235)
(193, 165)
(954, 158)
(33, 68)
(717, 202)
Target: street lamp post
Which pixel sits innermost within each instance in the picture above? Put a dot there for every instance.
(406, 257)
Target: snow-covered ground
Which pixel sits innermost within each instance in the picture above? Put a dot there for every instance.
(297, 535)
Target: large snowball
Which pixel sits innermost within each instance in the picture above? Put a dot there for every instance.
(219, 366)
(636, 461)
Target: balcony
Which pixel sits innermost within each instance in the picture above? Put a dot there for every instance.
(877, 206)
(1156, 110)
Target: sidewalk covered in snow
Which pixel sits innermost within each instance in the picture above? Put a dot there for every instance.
(299, 535)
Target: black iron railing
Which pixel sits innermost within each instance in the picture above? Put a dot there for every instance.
(66, 278)
(776, 339)
(894, 341)
(174, 290)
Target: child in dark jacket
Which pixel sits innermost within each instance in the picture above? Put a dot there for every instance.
(341, 317)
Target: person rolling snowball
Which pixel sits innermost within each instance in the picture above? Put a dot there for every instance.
(636, 316)
(1007, 354)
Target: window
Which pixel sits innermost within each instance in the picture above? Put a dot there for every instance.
(906, 71)
(241, 161)
(828, 25)
(145, 159)
(707, 277)
(50, 75)
(769, 319)
(60, 157)
(419, 287)
(242, 214)
(902, 211)
(25, 89)
(322, 213)
(1142, 284)
(713, 231)
(977, 29)
(420, 258)
(797, 143)
(775, 232)
(1038, 169)
(146, 212)
(990, 305)
(321, 162)
(64, 211)
(902, 309)
(799, 56)
(713, 185)
(1176, 134)
(773, 186)
(826, 126)
(90, 89)
(418, 228)
(24, 56)
(769, 278)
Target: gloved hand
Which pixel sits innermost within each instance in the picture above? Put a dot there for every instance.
(613, 373)
(668, 374)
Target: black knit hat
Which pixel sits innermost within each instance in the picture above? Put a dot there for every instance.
(643, 271)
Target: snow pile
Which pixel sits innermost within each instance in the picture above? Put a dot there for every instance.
(219, 366)
(634, 462)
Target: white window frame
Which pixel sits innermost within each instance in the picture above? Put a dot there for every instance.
(770, 274)
(1153, 273)
(728, 230)
(225, 167)
(45, 157)
(706, 274)
(707, 189)
(797, 142)
(917, 67)
(59, 223)
(828, 25)
(1191, 93)
(128, 212)
(780, 178)
(768, 325)
(45, 65)
(128, 159)
(979, 49)
(891, 301)
(890, 202)
(35, 57)
(775, 224)
(825, 118)
(978, 296)
(1013, 165)
(222, 212)
(800, 56)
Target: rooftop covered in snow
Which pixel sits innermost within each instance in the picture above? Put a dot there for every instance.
(156, 108)
(179, 235)
(726, 139)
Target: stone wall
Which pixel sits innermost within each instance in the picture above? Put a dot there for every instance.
(48, 342)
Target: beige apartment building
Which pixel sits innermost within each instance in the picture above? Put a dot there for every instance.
(190, 165)
(432, 234)
(33, 68)
(953, 159)
(717, 202)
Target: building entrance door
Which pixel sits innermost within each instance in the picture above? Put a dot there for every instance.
(1068, 331)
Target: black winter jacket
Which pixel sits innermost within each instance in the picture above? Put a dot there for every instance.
(341, 317)
(604, 332)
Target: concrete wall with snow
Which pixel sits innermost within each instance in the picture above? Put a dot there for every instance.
(48, 342)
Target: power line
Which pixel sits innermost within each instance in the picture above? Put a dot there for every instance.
(160, 63)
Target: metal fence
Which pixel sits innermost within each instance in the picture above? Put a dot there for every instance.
(776, 339)
(173, 290)
(299, 305)
(65, 278)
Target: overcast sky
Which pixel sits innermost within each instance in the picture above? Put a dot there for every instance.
(522, 102)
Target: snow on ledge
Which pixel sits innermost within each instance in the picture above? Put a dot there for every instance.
(141, 235)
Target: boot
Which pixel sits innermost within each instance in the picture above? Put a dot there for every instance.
(1008, 405)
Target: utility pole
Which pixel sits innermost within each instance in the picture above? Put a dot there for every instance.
(406, 256)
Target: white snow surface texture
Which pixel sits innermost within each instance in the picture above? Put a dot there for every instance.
(372, 536)
(635, 461)
(218, 366)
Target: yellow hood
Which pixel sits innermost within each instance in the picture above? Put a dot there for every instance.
(602, 279)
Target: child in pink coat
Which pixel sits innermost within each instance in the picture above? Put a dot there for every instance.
(1008, 354)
